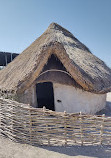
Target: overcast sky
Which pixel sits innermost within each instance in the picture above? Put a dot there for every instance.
(22, 21)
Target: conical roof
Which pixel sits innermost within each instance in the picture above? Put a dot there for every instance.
(87, 70)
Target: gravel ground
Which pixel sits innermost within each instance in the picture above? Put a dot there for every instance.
(9, 149)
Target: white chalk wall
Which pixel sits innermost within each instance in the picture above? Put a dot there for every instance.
(75, 100)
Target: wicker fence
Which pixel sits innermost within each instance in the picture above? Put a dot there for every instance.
(34, 126)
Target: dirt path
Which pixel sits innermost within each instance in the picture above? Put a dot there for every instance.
(9, 149)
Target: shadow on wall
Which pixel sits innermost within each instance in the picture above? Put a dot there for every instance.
(106, 110)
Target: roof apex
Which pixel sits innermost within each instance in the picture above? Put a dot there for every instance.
(55, 26)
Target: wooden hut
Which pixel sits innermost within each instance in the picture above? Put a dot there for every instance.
(59, 72)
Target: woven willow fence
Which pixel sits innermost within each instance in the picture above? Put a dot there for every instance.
(24, 124)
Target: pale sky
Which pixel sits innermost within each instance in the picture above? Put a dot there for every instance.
(22, 21)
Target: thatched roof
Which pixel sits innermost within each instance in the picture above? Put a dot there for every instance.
(87, 70)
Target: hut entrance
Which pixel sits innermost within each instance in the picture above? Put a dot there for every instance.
(45, 95)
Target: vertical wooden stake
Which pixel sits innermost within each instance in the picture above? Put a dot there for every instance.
(48, 134)
(65, 128)
(81, 128)
(44, 108)
(47, 127)
(12, 117)
(102, 128)
(74, 135)
(30, 127)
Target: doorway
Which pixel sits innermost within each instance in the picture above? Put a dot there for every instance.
(45, 95)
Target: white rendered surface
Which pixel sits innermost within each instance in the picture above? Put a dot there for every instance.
(73, 100)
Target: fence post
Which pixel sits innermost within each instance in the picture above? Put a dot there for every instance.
(48, 134)
(44, 108)
(12, 121)
(81, 128)
(30, 119)
(102, 129)
(65, 128)
(47, 127)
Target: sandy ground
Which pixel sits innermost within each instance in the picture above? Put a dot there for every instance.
(9, 149)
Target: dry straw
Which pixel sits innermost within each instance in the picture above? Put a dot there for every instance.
(87, 70)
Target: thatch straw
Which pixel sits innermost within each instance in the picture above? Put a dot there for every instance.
(86, 69)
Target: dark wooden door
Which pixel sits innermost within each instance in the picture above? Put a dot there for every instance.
(45, 95)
